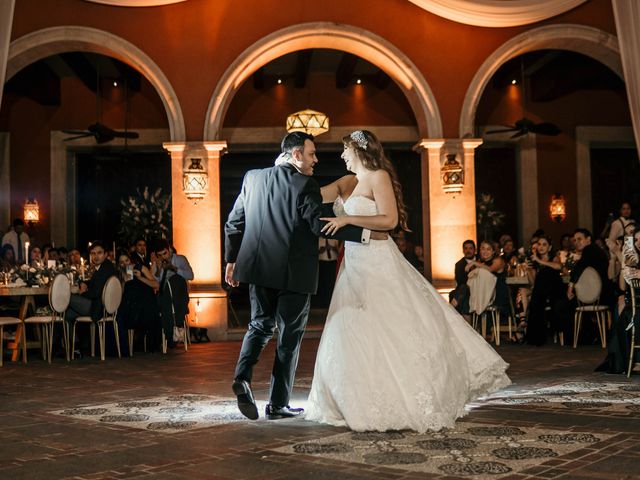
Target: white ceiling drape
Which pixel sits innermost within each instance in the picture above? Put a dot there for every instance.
(627, 15)
(497, 13)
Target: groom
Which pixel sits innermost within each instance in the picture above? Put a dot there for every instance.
(271, 243)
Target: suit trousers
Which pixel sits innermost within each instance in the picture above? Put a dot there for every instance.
(290, 312)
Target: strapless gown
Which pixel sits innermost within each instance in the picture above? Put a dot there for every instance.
(394, 354)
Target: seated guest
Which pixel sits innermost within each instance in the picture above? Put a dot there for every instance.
(89, 300)
(548, 290)
(508, 251)
(407, 250)
(7, 257)
(590, 256)
(139, 253)
(619, 339)
(172, 271)
(139, 308)
(35, 256)
(459, 297)
(491, 261)
(74, 257)
(63, 255)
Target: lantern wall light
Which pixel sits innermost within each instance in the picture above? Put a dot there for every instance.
(31, 211)
(195, 181)
(558, 208)
(452, 175)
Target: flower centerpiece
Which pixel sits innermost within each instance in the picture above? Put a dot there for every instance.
(146, 214)
(36, 274)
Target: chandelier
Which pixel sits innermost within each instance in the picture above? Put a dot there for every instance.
(308, 121)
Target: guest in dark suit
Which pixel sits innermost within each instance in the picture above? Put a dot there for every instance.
(590, 256)
(459, 297)
(271, 243)
(139, 255)
(89, 300)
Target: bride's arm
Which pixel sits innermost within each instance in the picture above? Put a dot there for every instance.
(385, 199)
(335, 189)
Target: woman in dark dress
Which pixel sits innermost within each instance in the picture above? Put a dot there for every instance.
(490, 260)
(548, 291)
(139, 308)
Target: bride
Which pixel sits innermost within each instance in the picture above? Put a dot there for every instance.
(393, 355)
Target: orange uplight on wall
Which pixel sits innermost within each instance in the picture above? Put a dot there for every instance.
(558, 208)
(31, 211)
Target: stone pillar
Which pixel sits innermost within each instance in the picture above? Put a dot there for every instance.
(196, 234)
(6, 20)
(452, 217)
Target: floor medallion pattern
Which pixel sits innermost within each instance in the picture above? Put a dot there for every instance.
(168, 414)
(468, 450)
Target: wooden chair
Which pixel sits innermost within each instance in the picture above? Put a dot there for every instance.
(588, 289)
(4, 321)
(635, 305)
(111, 298)
(59, 297)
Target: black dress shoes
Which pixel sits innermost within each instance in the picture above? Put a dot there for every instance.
(275, 413)
(246, 402)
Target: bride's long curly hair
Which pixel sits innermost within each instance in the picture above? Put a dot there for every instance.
(371, 154)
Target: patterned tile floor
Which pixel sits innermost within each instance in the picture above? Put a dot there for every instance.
(172, 417)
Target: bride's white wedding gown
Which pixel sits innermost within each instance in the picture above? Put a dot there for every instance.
(394, 354)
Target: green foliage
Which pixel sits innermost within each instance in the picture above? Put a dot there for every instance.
(489, 219)
(145, 215)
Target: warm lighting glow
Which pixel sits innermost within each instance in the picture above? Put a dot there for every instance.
(452, 175)
(358, 81)
(195, 181)
(279, 81)
(558, 208)
(308, 121)
(31, 211)
(115, 84)
(514, 81)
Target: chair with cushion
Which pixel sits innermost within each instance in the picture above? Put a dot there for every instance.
(111, 298)
(5, 321)
(59, 297)
(588, 289)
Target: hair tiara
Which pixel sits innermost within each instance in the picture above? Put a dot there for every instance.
(360, 138)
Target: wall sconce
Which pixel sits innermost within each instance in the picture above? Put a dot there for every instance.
(195, 181)
(31, 211)
(558, 208)
(452, 175)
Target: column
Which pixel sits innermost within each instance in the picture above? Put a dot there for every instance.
(197, 235)
(6, 19)
(452, 216)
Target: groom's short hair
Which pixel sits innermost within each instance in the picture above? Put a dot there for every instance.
(294, 140)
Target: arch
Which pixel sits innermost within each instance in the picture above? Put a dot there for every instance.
(357, 41)
(50, 41)
(589, 41)
(489, 13)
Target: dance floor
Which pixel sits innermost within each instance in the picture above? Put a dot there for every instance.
(173, 417)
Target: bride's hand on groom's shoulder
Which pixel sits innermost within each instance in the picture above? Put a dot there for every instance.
(333, 224)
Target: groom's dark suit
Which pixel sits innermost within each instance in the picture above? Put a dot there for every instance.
(272, 237)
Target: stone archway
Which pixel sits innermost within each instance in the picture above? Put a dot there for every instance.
(51, 41)
(600, 45)
(357, 41)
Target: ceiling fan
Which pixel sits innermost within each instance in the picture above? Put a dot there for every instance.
(524, 125)
(98, 130)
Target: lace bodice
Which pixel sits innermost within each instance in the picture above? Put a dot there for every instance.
(355, 205)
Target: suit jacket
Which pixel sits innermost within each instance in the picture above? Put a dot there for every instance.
(272, 231)
(594, 256)
(95, 286)
(461, 274)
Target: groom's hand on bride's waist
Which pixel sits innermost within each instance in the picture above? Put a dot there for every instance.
(375, 235)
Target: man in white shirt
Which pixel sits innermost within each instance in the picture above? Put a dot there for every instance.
(17, 239)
